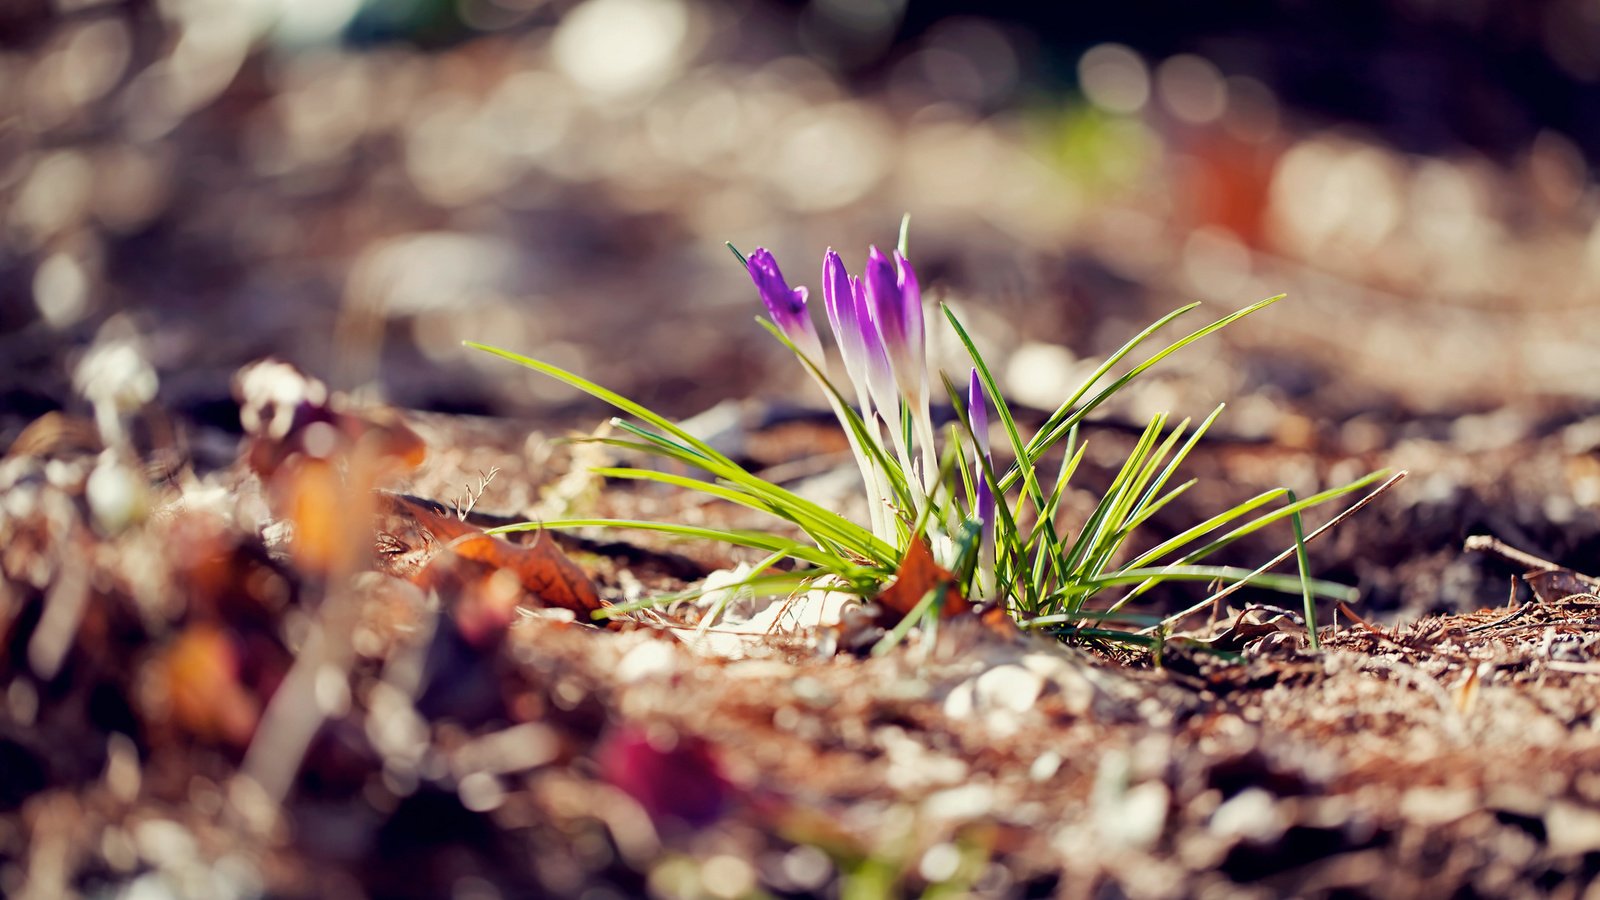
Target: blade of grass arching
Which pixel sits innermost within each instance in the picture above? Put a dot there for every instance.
(1141, 487)
(670, 446)
(611, 397)
(824, 531)
(1062, 412)
(1194, 532)
(1338, 519)
(1287, 584)
(1053, 431)
(904, 244)
(1277, 515)
(1150, 509)
(820, 523)
(1118, 526)
(1257, 524)
(743, 263)
(801, 511)
(1112, 532)
(699, 453)
(709, 488)
(1110, 362)
(756, 540)
(1305, 576)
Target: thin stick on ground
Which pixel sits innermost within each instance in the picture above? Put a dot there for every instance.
(1483, 543)
(1216, 598)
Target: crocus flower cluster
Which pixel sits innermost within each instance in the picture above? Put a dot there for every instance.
(879, 326)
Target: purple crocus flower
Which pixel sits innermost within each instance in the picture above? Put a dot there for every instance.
(864, 358)
(849, 330)
(895, 302)
(978, 410)
(786, 306)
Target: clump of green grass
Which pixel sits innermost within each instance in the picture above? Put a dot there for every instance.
(999, 531)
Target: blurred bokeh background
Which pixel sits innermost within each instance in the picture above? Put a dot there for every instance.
(358, 185)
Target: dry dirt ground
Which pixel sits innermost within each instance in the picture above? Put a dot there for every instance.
(436, 728)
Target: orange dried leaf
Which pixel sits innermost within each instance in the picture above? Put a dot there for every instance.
(482, 567)
(422, 515)
(919, 574)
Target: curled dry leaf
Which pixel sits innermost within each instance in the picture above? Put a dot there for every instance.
(1555, 585)
(489, 576)
(919, 574)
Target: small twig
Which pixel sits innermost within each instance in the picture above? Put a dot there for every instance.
(473, 496)
(1483, 543)
(1216, 598)
(1517, 614)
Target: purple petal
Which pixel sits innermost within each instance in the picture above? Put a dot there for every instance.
(786, 306)
(978, 413)
(978, 410)
(910, 304)
(838, 298)
(879, 374)
(882, 282)
(984, 507)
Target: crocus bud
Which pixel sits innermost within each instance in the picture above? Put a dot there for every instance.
(895, 301)
(879, 373)
(786, 306)
(851, 333)
(978, 411)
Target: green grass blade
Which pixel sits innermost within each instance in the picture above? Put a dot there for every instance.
(756, 540)
(1305, 576)
(608, 396)
(1066, 416)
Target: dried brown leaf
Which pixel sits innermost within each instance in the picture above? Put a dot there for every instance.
(919, 574)
(496, 574)
(1555, 585)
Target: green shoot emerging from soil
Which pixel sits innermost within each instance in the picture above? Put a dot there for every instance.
(997, 532)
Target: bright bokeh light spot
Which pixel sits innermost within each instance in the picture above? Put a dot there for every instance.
(615, 47)
(831, 156)
(299, 23)
(61, 290)
(1114, 78)
(1192, 89)
(1040, 375)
